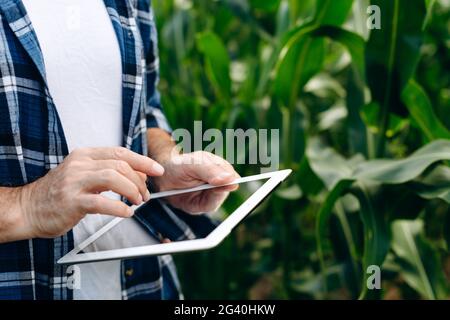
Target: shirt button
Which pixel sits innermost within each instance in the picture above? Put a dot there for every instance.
(129, 272)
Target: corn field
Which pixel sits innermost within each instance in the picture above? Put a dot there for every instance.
(364, 118)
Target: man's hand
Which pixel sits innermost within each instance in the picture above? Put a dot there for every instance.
(55, 203)
(193, 169)
(190, 170)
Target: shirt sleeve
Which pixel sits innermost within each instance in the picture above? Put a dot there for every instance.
(154, 111)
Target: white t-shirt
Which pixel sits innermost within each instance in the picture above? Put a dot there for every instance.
(84, 74)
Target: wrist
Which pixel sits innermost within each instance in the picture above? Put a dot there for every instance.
(26, 206)
(162, 148)
(14, 226)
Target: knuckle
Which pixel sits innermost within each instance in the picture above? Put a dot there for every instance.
(93, 203)
(107, 175)
(119, 152)
(142, 177)
(135, 192)
(122, 166)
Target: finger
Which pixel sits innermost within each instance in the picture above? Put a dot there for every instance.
(211, 201)
(201, 202)
(228, 173)
(142, 176)
(227, 167)
(100, 204)
(111, 180)
(213, 169)
(136, 161)
(138, 178)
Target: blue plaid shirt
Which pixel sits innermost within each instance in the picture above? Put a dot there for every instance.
(32, 142)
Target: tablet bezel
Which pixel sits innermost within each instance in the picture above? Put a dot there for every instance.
(209, 242)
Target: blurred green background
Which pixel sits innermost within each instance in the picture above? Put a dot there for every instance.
(344, 97)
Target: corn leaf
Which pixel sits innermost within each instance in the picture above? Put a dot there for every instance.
(404, 170)
(217, 62)
(392, 54)
(435, 185)
(420, 265)
(376, 236)
(421, 110)
(369, 172)
(301, 56)
(332, 12)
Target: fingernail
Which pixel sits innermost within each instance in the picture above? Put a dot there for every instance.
(147, 196)
(130, 212)
(158, 169)
(140, 200)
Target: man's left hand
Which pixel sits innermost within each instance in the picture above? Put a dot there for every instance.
(193, 169)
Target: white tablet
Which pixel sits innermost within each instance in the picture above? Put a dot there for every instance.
(273, 179)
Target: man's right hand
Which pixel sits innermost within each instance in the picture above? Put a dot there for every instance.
(55, 203)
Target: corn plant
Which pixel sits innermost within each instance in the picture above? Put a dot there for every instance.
(364, 116)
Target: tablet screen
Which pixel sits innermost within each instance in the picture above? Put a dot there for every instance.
(158, 229)
(157, 222)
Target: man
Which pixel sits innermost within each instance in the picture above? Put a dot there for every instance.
(78, 80)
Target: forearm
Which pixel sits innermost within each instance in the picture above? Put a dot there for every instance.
(161, 146)
(12, 223)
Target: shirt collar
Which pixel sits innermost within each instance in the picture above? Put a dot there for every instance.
(15, 15)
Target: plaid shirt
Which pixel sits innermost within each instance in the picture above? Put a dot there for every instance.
(32, 142)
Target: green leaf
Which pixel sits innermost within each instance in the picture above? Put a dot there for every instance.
(282, 18)
(290, 193)
(354, 43)
(339, 175)
(336, 173)
(217, 62)
(359, 18)
(419, 106)
(324, 215)
(393, 51)
(420, 265)
(430, 6)
(332, 12)
(327, 164)
(404, 170)
(265, 5)
(357, 132)
(376, 236)
(446, 229)
(300, 62)
(435, 185)
(392, 54)
(301, 56)
(308, 181)
(349, 236)
(370, 114)
(301, 10)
